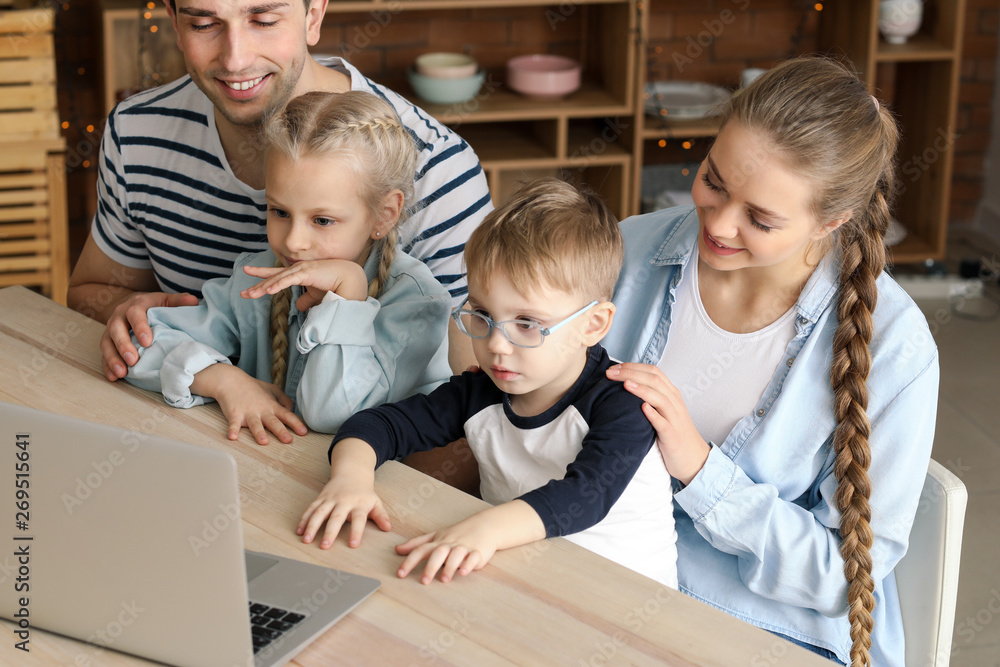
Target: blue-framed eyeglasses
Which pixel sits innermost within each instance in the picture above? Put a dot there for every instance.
(523, 333)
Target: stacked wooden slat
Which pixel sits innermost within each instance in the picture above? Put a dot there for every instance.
(33, 236)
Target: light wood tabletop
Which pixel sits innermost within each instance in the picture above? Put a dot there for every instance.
(550, 603)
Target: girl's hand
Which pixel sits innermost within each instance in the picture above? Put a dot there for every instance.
(344, 498)
(249, 403)
(683, 449)
(468, 545)
(320, 276)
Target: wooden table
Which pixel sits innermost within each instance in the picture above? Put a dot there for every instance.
(552, 603)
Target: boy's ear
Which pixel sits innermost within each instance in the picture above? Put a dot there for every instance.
(392, 208)
(599, 323)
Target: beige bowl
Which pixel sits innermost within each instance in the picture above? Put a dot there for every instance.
(446, 65)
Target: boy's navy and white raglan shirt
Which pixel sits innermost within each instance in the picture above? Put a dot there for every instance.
(588, 465)
(169, 201)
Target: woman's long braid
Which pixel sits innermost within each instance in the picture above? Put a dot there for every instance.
(280, 305)
(863, 258)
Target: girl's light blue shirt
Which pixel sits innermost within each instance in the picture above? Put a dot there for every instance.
(758, 526)
(343, 355)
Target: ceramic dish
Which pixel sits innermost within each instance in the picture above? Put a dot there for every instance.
(542, 76)
(683, 100)
(446, 65)
(446, 91)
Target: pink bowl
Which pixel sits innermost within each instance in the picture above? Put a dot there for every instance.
(543, 76)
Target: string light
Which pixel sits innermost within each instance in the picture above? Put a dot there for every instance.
(86, 164)
(662, 143)
(818, 6)
(147, 15)
(153, 28)
(151, 5)
(80, 71)
(90, 128)
(686, 145)
(65, 125)
(685, 171)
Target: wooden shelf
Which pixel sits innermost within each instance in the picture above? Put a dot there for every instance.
(498, 104)
(345, 6)
(919, 48)
(662, 128)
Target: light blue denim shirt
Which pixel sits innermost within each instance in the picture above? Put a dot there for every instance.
(758, 526)
(343, 355)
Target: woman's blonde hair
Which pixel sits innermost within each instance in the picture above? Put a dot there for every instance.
(548, 230)
(366, 130)
(823, 124)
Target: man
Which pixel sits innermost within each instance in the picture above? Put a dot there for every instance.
(181, 175)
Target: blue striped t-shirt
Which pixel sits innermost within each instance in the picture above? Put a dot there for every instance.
(169, 201)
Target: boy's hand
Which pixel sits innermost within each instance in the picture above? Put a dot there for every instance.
(249, 403)
(342, 499)
(320, 276)
(349, 495)
(468, 545)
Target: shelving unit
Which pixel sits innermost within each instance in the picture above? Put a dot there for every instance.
(919, 80)
(600, 135)
(901, 75)
(515, 137)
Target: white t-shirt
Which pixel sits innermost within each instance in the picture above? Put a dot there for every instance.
(721, 375)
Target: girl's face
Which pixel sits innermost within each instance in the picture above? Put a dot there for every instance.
(753, 211)
(314, 211)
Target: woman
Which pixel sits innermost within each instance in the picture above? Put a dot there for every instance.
(792, 384)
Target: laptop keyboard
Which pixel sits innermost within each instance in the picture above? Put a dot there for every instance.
(267, 624)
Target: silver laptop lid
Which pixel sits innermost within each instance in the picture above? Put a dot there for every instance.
(160, 575)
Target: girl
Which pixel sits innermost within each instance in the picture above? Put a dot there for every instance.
(792, 383)
(369, 322)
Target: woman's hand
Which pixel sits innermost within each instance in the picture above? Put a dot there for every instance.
(249, 403)
(683, 449)
(320, 276)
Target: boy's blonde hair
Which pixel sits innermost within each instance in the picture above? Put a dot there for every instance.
(366, 130)
(549, 231)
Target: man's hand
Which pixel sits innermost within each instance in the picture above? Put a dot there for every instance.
(130, 315)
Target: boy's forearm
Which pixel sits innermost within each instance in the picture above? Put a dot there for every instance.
(511, 524)
(353, 458)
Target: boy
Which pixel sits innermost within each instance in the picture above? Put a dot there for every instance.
(561, 449)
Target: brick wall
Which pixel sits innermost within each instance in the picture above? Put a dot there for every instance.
(711, 43)
(975, 107)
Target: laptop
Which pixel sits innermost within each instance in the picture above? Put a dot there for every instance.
(133, 542)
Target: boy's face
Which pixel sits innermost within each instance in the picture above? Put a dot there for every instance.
(536, 377)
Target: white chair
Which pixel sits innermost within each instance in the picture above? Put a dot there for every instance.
(927, 576)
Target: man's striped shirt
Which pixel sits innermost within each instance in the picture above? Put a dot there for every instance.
(169, 201)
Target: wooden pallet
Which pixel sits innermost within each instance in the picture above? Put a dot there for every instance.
(34, 248)
(34, 244)
(28, 110)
